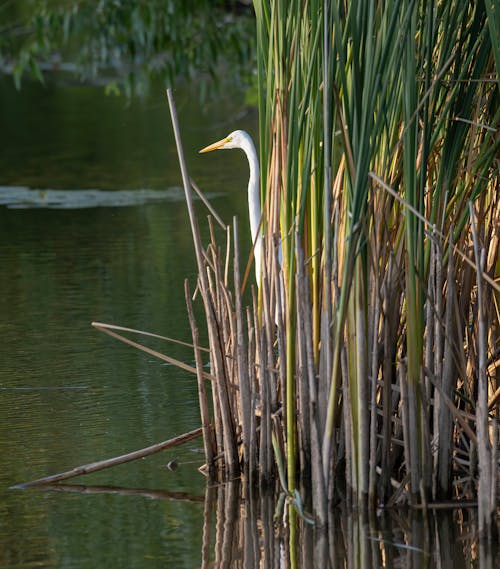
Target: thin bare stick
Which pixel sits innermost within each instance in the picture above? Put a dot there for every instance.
(241, 353)
(446, 383)
(454, 410)
(217, 350)
(151, 352)
(186, 184)
(102, 464)
(142, 333)
(207, 203)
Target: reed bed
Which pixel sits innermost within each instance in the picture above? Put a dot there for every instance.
(366, 363)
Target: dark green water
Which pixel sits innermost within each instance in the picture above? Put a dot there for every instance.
(70, 395)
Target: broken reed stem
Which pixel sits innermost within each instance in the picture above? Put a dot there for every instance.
(208, 435)
(185, 182)
(208, 205)
(149, 334)
(106, 329)
(487, 479)
(445, 423)
(241, 356)
(373, 397)
(438, 351)
(310, 379)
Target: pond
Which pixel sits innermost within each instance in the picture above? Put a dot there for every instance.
(93, 227)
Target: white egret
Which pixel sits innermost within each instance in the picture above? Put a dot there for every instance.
(241, 139)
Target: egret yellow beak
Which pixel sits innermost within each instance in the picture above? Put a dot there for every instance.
(215, 145)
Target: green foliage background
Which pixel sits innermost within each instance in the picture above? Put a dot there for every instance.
(127, 43)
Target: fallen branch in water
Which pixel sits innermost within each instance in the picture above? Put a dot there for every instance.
(102, 464)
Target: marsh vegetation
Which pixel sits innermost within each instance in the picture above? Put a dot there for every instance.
(380, 176)
(362, 368)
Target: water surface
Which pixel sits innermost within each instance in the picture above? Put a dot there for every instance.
(70, 395)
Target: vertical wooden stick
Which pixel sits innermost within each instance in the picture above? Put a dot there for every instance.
(241, 356)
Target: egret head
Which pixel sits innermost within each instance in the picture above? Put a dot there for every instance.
(234, 140)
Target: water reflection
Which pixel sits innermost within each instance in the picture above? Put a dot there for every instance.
(247, 533)
(123, 491)
(244, 529)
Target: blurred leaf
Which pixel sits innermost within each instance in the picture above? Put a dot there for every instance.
(35, 70)
(112, 88)
(114, 40)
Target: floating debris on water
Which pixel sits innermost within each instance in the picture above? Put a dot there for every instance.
(19, 197)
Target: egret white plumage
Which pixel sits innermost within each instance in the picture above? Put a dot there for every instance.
(241, 139)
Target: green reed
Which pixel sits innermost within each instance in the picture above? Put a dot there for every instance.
(378, 126)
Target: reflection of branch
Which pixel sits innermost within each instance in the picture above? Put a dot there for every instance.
(102, 464)
(146, 492)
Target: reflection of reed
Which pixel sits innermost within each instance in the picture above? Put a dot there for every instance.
(246, 535)
(242, 531)
(249, 536)
(210, 494)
